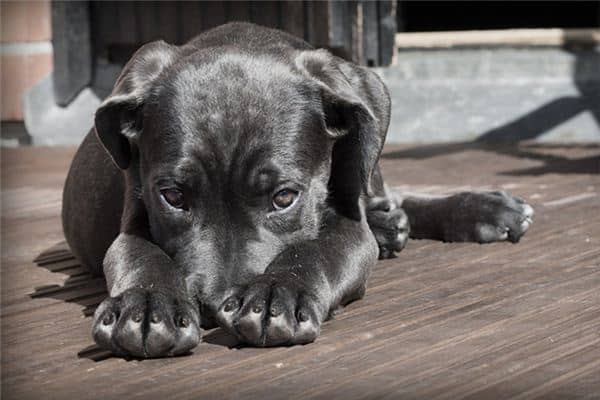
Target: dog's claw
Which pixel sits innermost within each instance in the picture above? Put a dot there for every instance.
(155, 318)
(108, 319)
(137, 317)
(230, 305)
(302, 316)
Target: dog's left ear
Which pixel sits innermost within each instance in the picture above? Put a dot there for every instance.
(118, 120)
(356, 114)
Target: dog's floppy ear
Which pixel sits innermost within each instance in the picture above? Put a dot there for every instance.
(118, 119)
(355, 107)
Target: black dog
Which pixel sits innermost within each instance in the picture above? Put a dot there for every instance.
(234, 181)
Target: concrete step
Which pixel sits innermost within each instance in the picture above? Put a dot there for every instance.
(547, 94)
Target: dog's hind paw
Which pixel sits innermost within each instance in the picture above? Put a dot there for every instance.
(389, 225)
(486, 217)
(147, 324)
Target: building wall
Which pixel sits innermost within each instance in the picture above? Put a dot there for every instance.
(25, 50)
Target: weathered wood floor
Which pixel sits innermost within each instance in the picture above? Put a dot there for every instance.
(441, 321)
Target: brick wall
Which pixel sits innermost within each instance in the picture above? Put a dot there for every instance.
(25, 49)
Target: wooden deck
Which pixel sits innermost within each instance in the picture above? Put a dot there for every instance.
(441, 321)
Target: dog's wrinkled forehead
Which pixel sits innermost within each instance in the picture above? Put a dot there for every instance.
(234, 106)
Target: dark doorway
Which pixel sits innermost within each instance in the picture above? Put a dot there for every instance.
(415, 16)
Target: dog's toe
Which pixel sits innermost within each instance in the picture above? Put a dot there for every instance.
(129, 335)
(271, 312)
(487, 217)
(146, 324)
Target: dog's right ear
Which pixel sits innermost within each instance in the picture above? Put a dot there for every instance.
(118, 120)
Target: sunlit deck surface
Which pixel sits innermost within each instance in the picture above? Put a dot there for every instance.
(439, 321)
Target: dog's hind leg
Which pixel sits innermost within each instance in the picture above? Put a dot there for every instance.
(92, 203)
(481, 217)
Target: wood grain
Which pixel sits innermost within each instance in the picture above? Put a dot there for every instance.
(441, 321)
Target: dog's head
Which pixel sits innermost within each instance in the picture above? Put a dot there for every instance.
(239, 155)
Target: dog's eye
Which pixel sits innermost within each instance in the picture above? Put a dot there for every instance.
(284, 198)
(174, 197)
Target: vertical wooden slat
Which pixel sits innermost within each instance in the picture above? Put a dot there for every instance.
(109, 30)
(191, 14)
(265, 13)
(357, 34)
(340, 28)
(167, 21)
(127, 22)
(179, 21)
(103, 30)
(400, 18)
(308, 21)
(238, 11)
(213, 14)
(147, 21)
(370, 33)
(123, 39)
(387, 30)
(292, 17)
(318, 23)
(95, 24)
(72, 49)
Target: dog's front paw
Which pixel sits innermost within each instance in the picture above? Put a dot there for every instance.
(273, 310)
(489, 217)
(146, 323)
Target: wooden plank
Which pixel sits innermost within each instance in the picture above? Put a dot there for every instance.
(213, 14)
(387, 31)
(342, 16)
(146, 13)
(72, 50)
(357, 35)
(317, 27)
(238, 11)
(370, 26)
(292, 17)
(266, 13)
(127, 22)
(168, 22)
(191, 14)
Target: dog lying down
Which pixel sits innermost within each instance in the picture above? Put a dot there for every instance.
(233, 182)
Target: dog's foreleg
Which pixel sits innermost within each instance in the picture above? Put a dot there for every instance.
(299, 289)
(148, 312)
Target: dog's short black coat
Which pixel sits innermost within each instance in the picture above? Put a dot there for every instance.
(234, 181)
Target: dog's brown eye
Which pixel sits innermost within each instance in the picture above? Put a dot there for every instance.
(284, 198)
(174, 197)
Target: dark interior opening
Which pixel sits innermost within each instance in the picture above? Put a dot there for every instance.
(416, 16)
